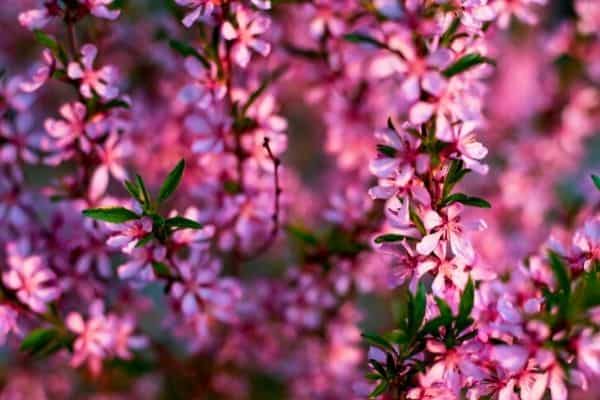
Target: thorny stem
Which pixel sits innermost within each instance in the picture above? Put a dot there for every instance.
(276, 206)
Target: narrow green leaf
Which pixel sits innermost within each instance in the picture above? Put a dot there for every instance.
(386, 150)
(50, 43)
(444, 308)
(466, 200)
(38, 339)
(466, 305)
(388, 238)
(377, 341)
(362, 38)
(303, 235)
(146, 199)
(115, 103)
(420, 302)
(464, 63)
(182, 222)
(561, 272)
(133, 190)
(115, 215)
(144, 241)
(380, 389)
(186, 50)
(171, 182)
(161, 269)
(275, 75)
(596, 180)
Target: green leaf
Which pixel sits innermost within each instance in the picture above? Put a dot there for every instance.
(115, 215)
(444, 308)
(171, 182)
(561, 272)
(182, 222)
(49, 42)
(380, 389)
(466, 305)
(377, 341)
(415, 219)
(386, 150)
(362, 38)
(419, 303)
(596, 180)
(466, 200)
(388, 237)
(275, 75)
(186, 50)
(464, 63)
(303, 235)
(115, 103)
(161, 269)
(146, 199)
(144, 241)
(38, 339)
(455, 173)
(133, 190)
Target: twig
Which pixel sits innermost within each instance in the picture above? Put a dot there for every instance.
(276, 206)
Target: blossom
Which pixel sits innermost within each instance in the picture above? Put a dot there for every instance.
(95, 337)
(586, 243)
(447, 229)
(201, 8)
(37, 18)
(248, 26)
(140, 266)
(72, 128)
(99, 81)
(111, 153)
(202, 291)
(8, 322)
(127, 235)
(41, 73)
(32, 281)
(99, 8)
(469, 149)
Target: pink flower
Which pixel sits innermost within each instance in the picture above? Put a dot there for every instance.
(201, 8)
(41, 73)
(71, 129)
(8, 322)
(37, 18)
(33, 283)
(207, 86)
(101, 81)
(99, 8)
(248, 25)
(112, 154)
(463, 138)
(395, 171)
(95, 337)
(124, 338)
(128, 234)
(447, 229)
(140, 266)
(587, 243)
(202, 291)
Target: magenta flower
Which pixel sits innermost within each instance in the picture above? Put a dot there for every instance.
(201, 291)
(128, 234)
(112, 154)
(41, 73)
(248, 26)
(587, 243)
(94, 337)
(72, 128)
(100, 81)
(99, 8)
(32, 281)
(469, 150)
(37, 18)
(8, 322)
(201, 9)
